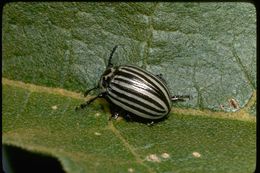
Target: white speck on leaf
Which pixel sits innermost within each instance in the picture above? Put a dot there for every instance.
(54, 107)
(130, 170)
(165, 155)
(97, 133)
(153, 158)
(196, 154)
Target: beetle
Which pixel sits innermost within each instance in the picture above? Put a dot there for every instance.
(133, 91)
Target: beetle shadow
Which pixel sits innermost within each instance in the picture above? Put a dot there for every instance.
(129, 117)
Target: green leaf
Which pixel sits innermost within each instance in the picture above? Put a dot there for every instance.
(206, 50)
(53, 51)
(43, 121)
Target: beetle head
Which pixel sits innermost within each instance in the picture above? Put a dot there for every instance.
(106, 78)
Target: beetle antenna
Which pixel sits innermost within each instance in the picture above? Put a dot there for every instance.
(88, 91)
(110, 57)
(180, 97)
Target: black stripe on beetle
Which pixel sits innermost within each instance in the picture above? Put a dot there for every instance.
(148, 99)
(146, 81)
(134, 91)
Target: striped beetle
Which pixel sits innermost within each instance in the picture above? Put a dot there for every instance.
(134, 91)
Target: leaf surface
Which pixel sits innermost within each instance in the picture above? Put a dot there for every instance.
(53, 51)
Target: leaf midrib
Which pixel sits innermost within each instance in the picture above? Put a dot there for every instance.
(242, 114)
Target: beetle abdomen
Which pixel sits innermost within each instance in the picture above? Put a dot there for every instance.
(139, 92)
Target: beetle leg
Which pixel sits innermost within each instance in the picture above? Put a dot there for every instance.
(128, 117)
(88, 91)
(115, 111)
(114, 116)
(180, 97)
(84, 105)
(160, 76)
(150, 123)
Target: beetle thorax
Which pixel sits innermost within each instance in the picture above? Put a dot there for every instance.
(106, 78)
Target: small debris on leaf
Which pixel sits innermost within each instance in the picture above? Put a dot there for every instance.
(97, 114)
(222, 107)
(233, 103)
(165, 155)
(54, 107)
(153, 158)
(97, 133)
(131, 170)
(196, 154)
